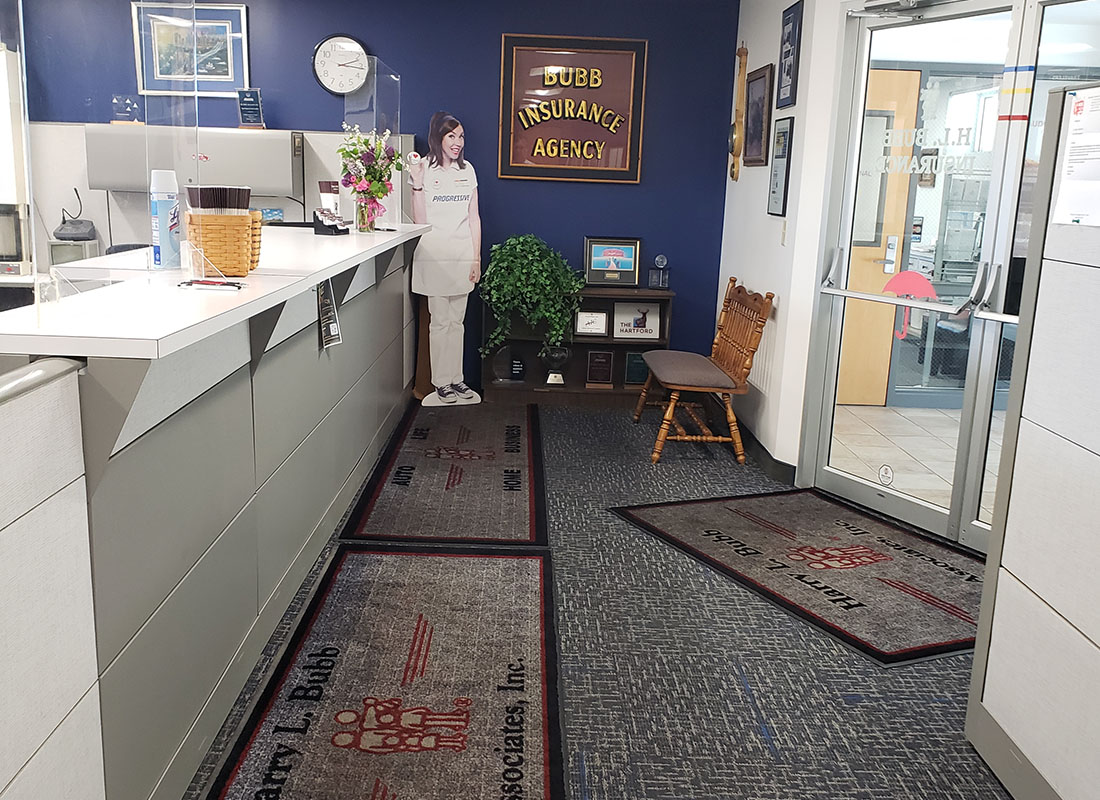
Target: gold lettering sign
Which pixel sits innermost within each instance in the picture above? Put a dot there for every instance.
(571, 108)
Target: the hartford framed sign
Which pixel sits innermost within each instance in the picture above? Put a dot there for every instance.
(571, 108)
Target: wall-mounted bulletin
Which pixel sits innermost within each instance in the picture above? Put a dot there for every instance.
(790, 44)
(571, 108)
(781, 167)
(184, 49)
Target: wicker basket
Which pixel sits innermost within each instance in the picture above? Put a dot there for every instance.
(227, 242)
(257, 230)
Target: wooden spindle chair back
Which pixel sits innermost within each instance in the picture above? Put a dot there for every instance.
(740, 327)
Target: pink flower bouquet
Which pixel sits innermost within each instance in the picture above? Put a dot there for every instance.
(368, 164)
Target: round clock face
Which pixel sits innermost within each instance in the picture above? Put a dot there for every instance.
(733, 137)
(340, 64)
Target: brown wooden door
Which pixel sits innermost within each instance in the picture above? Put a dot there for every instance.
(867, 336)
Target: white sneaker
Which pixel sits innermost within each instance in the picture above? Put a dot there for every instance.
(446, 394)
(464, 391)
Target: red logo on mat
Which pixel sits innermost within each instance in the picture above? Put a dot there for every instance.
(460, 454)
(419, 648)
(836, 557)
(385, 726)
(381, 791)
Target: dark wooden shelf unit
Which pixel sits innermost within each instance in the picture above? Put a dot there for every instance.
(526, 343)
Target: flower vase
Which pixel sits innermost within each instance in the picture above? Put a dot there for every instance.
(364, 221)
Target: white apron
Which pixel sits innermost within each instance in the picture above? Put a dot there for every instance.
(441, 265)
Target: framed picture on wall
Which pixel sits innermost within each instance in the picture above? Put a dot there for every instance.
(781, 167)
(758, 116)
(184, 49)
(790, 45)
(611, 261)
(571, 108)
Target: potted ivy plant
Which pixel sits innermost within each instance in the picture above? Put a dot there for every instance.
(527, 280)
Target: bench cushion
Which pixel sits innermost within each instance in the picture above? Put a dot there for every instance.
(680, 368)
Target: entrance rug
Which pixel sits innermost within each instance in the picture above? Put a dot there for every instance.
(893, 596)
(415, 674)
(458, 474)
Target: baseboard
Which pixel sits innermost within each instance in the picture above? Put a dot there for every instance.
(1018, 775)
(774, 468)
(177, 776)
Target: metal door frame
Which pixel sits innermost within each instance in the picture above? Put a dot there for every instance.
(826, 326)
(985, 347)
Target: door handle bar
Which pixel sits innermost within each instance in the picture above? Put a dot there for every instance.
(979, 282)
(993, 316)
(994, 273)
(901, 302)
(838, 256)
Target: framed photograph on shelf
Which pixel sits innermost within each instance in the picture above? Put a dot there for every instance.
(636, 369)
(781, 167)
(758, 116)
(611, 261)
(184, 49)
(790, 44)
(637, 321)
(591, 323)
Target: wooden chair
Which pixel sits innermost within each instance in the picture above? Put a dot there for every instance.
(725, 372)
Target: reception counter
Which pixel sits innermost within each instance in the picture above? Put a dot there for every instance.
(221, 447)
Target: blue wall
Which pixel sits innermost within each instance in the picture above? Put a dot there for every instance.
(80, 52)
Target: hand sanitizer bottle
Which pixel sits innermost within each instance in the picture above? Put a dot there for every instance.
(164, 207)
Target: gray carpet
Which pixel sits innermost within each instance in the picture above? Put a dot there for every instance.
(678, 684)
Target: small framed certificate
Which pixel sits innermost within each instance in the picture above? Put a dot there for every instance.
(591, 323)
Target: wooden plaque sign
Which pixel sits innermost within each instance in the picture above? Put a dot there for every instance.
(571, 108)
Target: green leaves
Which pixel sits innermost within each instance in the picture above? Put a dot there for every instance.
(528, 280)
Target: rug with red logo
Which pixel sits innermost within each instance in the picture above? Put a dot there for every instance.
(457, 474)
(415, 674)
(892, 595)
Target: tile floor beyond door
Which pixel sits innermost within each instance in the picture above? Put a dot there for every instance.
(918, 444)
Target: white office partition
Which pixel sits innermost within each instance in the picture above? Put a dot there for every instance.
(1034, 711)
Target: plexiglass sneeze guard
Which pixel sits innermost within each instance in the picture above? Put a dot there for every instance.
(152, 128)
(376, 106)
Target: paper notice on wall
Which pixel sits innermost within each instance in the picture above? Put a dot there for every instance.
(1078, 200)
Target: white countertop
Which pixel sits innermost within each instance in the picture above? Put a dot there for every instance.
(24, 281)
(147, 315)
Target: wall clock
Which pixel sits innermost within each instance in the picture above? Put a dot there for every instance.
(737, 129)
(340, 64)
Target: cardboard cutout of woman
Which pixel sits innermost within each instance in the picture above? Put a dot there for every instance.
(448, 258)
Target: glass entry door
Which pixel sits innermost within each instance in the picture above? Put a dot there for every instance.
(920, 229)
(921, 300)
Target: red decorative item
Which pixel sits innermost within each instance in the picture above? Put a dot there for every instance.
(909, 283)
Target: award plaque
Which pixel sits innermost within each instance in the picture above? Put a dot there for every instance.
(636, 369)
(599, 370)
